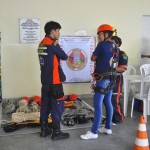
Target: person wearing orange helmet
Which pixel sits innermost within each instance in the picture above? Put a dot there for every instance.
(105, 57)
(104, 31)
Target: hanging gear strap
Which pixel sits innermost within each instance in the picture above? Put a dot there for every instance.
(113, 77)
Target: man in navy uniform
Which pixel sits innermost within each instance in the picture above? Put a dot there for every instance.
(52, 77)
(118, 115)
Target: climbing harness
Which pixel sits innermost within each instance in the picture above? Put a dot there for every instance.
(112, 74)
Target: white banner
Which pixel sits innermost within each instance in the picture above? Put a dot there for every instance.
(78, 68)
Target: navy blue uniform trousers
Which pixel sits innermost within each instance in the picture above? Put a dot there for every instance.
(50, 105)
(118, 114)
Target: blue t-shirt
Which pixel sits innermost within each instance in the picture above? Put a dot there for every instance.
(104, 52)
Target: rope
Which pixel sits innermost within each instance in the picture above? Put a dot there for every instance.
(23, 106)
(35, 107)
(24, 112)
(21, 116)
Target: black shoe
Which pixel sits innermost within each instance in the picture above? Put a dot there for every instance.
(45, 133)
(45, 130)
(58, 135)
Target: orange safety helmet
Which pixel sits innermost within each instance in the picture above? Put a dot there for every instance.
(27, 99)
(37, 99)
(73, 97)
(105, 27)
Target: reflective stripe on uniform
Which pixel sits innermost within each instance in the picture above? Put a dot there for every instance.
(117, 93)
(42, 47)
(42, 54)
(118, 99)
(42, 50)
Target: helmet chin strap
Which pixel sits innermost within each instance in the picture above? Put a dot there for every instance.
(105, 37)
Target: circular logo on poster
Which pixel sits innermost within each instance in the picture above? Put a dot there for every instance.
(77, 59)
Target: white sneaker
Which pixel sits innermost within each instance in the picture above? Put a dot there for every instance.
(104, 130)
(89, 135)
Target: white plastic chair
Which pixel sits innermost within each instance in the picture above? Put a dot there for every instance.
(145, 69)
(130, 70)
(143, 95)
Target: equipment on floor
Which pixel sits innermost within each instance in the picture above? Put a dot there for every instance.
(71, 120)
(21, 116)
(73, 97)
(23, 105)
(68, 104)
(36, 104)
(78, 112)
(8, 106)
(13, 126)
(70, 101)
(37, 99)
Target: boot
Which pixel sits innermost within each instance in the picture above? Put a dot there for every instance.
(45, 130)
(57, 134)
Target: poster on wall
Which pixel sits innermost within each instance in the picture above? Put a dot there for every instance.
(29, 31)
(78, 67)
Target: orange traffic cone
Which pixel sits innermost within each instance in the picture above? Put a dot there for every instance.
(141, 142)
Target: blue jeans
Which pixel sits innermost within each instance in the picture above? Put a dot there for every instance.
(98, 100)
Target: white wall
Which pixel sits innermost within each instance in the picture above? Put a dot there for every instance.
(20, 70)
(73, 15)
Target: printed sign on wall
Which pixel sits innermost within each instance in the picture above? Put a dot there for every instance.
(78, 68)
(29, 30)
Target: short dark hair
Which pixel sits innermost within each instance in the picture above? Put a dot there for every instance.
(117, 40)
(51, 25)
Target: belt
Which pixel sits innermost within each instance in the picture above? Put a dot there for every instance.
(99, 76)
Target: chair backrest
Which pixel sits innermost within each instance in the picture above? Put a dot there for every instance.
(145, 85)
(130, 70)
(145, 69)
